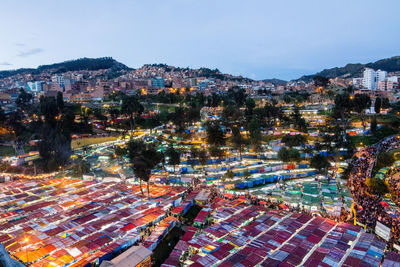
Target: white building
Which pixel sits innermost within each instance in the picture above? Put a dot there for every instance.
(372, 77)
(34, 86)
(58, 79)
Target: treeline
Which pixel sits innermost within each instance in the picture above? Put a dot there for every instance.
(70, 65)
(84, 64)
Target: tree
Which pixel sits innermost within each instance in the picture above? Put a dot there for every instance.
(229, 175)
(298, 120)
(80, 167)
(350, 89)
(55, 144)
(142, 171)
(378, 105)
(100, 116)
(24, 100)
(384, 159)
(288, 155)
(238, 140)
(342, 106)
(194, 154)
(385, 102)
(174, 156)
(250, 105)
(283, 154)
(236, 95)
(203, 157)
(60, 102)
(2, 116)
(131, 106)
(215, 135)
(143, 158)
(179, 119)
(360, 103)
(294, 140)
(320, 81)
(114, 113)
(294, 155)
(255, 133)
(49, 110)
(246, 174)
(374, 125)
(230, 114)
(377, 185)
(320, 163)
(216, 152)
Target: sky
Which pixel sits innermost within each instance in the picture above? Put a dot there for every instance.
(258, 39)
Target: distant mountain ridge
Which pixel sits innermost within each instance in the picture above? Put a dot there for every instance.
(349, 71)
(70, 65)
(355, 70)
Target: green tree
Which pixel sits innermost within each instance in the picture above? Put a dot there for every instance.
(374, 125)
(360, 103)
(288, 155)
(216, 152)
(246, 174)
(298, 120)
(283, 154)
(80, 167)
(2, 116)
(215, 135)
(60, 102)
(24, 100)
(203, 157)
(255, 133)
(385, 102)
(238, 140)
(377, 185)
(131, 107)
(236, 95)
(294, 155)
(250, 105)
(378, 105)
(174, 156)
(194, 154)
(320, 81)
(143, 158)
(230, 115)
(294, 140)
(320, 163)
(342, 107)
(100, 116)
(55, 144)
(229, 175)
(114, 113)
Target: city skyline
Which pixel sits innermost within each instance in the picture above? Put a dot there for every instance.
(270, 40)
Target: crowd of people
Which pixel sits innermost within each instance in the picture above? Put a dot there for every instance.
(369, 210)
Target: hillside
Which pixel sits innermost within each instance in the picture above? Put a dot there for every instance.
(355, 70)
(70, 65)
(275, 81)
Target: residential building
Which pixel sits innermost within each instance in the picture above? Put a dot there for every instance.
(81, 97)
(34, 86)
(157, 82)
(372, 77)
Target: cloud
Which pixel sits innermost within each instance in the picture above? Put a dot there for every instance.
(30, 52)
(20, 44)
(4, 63)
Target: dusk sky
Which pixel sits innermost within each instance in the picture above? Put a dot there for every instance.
(258, 39)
